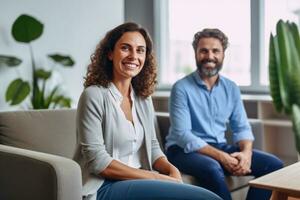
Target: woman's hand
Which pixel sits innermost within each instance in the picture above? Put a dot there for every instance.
(175, 173)
(119, 171)
(158, 176)
(167, 170)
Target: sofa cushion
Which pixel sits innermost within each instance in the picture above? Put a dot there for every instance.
(234, 183)
(49, 131)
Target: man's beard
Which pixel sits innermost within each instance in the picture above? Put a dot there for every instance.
(209, 72)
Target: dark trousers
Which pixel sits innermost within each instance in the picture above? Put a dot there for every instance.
(211, 174)
(141, 189)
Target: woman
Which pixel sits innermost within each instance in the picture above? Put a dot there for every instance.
(115, 124)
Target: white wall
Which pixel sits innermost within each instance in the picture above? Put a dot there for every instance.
(71, 27)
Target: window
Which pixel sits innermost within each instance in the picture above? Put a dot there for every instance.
(247, 23)
(185, 19)
(275, 10)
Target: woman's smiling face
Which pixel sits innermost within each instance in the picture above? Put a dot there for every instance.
(128, 56)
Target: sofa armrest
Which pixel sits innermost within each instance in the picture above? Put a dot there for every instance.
(34, 175)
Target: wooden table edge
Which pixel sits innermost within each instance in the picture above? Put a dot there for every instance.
(289, 192)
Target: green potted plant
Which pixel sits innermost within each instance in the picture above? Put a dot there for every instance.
(284, 73)
(26, 29)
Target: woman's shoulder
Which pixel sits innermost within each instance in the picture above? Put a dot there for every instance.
(94, 91)
(95, 88)
(143, 100)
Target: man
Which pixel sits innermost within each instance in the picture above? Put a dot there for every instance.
(200, 106)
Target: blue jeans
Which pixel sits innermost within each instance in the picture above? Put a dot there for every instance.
(142, 189)
(211, 174)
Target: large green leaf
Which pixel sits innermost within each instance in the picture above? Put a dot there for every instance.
(295, 34)
(66, 61)
(62, 101)
(295, 87)
(295, 47)
(17, 91)
(296, 125)
(65, 102)
(9, 61)
(293, 71)
(26, 29)
(273, 76)
(285, 55)
(42, 74)
(284, 62)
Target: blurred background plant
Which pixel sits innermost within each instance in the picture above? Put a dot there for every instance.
(284, 73)
(26, 29)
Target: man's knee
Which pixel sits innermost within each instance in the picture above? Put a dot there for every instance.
(276, 164)
(272, 163)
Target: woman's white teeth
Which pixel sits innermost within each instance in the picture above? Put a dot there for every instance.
(131, 65)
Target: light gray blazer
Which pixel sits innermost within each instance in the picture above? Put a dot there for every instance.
(96, 134)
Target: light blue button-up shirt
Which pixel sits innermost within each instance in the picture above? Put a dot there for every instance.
(199, 116)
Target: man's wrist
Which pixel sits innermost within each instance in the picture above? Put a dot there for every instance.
(247, 153)
(222, 156)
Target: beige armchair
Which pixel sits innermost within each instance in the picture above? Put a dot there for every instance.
(36, 151)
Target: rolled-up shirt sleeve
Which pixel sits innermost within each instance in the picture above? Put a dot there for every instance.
(238, 120)
(90, 133)
(181, 127)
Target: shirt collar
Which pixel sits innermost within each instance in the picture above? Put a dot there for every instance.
(117, 94)
(199, 80)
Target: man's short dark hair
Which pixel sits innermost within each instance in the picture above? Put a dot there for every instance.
(210, 33)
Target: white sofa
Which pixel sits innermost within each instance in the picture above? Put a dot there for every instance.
(36, 152)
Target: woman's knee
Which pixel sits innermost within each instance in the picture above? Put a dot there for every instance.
(154, 189)
(188, 192)
(202, 193)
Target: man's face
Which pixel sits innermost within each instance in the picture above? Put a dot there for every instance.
(209, 57)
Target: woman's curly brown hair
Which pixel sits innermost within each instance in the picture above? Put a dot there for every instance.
(100, 70)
